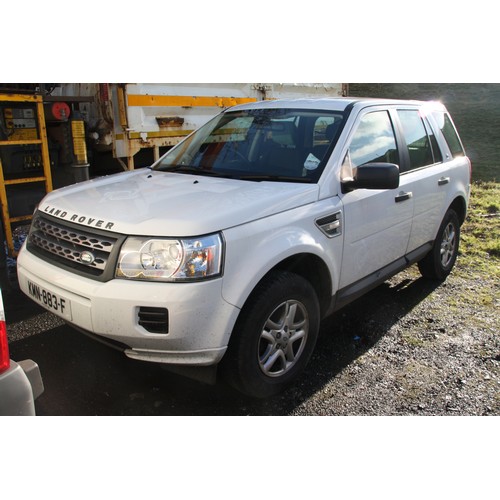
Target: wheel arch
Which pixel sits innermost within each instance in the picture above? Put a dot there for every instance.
(459, 205)
(313, 269)
(245, 352)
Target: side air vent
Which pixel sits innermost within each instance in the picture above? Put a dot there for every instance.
(154, 319)
(331, 225)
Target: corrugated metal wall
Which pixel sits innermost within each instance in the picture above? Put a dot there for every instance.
(475, 108)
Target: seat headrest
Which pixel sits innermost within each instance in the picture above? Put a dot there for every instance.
(331, 130)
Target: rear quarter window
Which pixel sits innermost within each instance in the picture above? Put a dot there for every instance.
(450, 134)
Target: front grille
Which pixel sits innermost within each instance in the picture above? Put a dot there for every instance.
(90, 253)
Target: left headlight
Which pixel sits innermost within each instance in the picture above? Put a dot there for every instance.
(158, 259)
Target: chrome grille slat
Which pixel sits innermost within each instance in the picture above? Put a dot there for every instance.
(64, 243)
(67, 252)
(75, 237)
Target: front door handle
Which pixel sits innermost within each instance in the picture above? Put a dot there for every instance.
(443, 181)
(403, 196)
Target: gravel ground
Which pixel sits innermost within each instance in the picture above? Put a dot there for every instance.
(410, 347)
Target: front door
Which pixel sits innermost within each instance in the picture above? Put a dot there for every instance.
(377, 222)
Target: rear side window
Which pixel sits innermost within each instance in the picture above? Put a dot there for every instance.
(417, 140)
(436, 151)
(450, 134)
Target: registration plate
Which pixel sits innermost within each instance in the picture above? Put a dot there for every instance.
(50, 300)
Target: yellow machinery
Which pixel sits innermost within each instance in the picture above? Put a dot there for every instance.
(23, 126)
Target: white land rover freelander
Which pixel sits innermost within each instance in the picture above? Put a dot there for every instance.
(233, 246)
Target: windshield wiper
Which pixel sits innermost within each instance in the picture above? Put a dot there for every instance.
(275, 178)
(186, 169)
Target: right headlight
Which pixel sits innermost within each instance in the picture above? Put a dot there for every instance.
(161, 259)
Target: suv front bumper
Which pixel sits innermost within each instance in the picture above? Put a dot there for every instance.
(200, 321)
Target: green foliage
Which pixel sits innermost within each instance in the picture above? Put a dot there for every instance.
(480, 246)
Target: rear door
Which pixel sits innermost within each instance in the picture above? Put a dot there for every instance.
(424, 174)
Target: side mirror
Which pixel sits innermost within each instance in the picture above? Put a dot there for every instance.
(374, 176)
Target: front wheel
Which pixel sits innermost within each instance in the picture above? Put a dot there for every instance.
(438, 263)
(275, 335)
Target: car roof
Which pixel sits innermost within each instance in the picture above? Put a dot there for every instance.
(330, 103)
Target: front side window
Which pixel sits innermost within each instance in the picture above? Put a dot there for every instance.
(417, 140)
(373, 141)
(257, 144)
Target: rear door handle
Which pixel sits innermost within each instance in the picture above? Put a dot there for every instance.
(403, 196)
(443, 181)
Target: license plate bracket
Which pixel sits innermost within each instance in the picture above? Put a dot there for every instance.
(50, 300)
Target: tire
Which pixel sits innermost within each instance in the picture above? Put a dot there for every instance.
(439, 262)
(274, 336)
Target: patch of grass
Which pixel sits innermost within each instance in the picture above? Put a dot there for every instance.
(483, 295)
(412, 340)
(480, 242)
(416, 378)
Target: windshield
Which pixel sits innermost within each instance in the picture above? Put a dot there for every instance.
(259, 144)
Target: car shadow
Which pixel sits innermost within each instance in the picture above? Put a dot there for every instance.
(355, 329)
